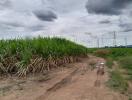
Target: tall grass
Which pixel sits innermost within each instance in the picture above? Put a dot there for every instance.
(121, 73)
(117, 82)
(122, 55)
(126, 62)
(20, 55)
(113, 53)
(109, 63)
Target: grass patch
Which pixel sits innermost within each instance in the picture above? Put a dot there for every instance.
(126, 62)
(117, 82)
(109, 63)
(122, 74)
(130, 98)
(102, 53)
(114, 53)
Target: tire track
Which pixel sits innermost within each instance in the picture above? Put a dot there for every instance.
(64, 82)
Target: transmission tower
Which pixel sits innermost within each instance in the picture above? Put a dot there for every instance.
(114, 39)
(125, 41)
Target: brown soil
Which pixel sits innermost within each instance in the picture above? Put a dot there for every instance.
(73, 82)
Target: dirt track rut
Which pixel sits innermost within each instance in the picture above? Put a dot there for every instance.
(74, 83)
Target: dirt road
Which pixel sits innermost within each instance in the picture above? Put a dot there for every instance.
(72, 82)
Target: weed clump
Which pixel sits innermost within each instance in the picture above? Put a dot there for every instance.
(117, 82)
(102, 52)
(126, 62)
(109, 63)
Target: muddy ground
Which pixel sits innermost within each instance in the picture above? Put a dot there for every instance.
(74, 81)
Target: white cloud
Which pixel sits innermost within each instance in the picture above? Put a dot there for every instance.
(72, 21)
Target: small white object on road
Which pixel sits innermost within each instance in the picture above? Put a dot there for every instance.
(102, 63)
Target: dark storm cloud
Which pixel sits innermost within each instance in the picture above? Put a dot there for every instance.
(45, 15)
(126, 27)
(131, 13)
(13, 24)
(36, 28)
(105, 22)
(108, 7)
(123, 25)
(127, 30)
(9, 25)
(5, 4)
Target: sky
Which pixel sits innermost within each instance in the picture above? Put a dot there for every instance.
(82, 21)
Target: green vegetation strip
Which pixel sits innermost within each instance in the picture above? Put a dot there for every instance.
(121, 70)
(117, 82)
(20, 55)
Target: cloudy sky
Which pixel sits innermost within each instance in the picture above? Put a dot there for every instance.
(79, 20)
